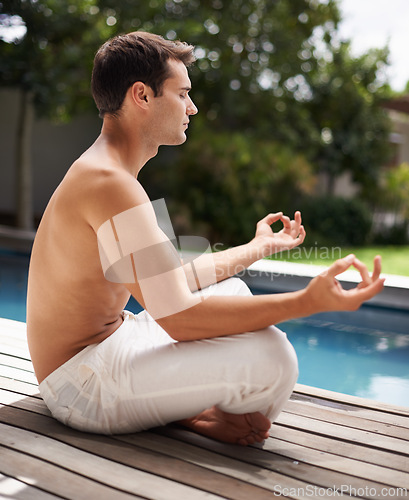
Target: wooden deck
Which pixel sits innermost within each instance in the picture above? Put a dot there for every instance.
(322, 444)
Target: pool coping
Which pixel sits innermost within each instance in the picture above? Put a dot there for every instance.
(19, 240)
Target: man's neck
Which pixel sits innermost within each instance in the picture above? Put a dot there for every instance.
(126, 145)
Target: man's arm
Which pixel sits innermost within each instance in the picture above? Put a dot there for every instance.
(227, 263)
(219, 316)
(135, 252)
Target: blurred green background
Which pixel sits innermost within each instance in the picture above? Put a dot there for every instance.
(288, 118)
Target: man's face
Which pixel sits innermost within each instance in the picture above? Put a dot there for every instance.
(173, 108)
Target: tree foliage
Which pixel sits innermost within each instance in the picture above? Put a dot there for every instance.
(52, 59)
(397, 184)
(332, 220)
(248, 50)
(350, 128)
(268, 72)
(227, 181)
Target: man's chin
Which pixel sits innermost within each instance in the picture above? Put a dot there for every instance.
(177, 142)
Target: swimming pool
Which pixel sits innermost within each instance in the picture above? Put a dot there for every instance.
(364, 353)
(351, 356)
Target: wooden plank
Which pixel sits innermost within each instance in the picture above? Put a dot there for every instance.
(11, 325)
(321, 443)
(212, 461)
(338, 397)
(221, 484)
(298, 454)
(117, 477)
(23, 402)
(13, 488)
(53, 479)
(229, 466)
(15, 348)
(229, 472)
(347, 420)
(11, 339)
(295, 453)
(344, 408)
(17, 374)
(310, 475)
(13, 330)
(326, 444)
(335, 462)
(19, 387)
(16, 362)
(14, 338)
(321, 440)
(280, 481)
(370, 439)
(179, 472)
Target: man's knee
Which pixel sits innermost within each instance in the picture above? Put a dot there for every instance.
(240, 287)
(277, 357)
(265, 370)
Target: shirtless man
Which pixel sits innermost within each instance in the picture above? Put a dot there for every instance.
(213, 363)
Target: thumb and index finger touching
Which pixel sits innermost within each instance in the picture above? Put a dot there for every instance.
(370, 285)
(271, 218)
(288, 224)
(341, 265)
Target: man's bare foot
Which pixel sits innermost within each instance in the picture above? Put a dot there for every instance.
(230, 428)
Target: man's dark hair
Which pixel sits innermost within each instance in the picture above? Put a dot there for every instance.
(135, 57)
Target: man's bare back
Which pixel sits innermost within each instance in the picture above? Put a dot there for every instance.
(70, 304)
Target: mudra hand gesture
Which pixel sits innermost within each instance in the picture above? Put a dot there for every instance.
(291, 235)
(325, 293)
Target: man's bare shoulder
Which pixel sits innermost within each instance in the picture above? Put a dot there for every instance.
(105, 189)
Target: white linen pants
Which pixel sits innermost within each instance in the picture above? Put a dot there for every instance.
(139, 377)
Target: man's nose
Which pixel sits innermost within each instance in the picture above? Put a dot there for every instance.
(191, 109)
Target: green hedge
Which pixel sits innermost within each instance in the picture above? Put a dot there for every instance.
(336, 221)
(226, 182)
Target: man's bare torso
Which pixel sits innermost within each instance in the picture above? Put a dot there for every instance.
(70, 304)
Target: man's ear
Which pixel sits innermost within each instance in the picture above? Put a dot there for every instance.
(141, 94)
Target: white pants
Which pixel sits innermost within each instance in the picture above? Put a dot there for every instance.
(140, 378)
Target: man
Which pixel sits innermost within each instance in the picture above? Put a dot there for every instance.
(207, 359)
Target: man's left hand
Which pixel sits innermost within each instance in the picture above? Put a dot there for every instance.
(291, 235)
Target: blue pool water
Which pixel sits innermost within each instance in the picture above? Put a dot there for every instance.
(13, 285)
(348, 355)
(364, 353)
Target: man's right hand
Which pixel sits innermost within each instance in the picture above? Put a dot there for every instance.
(325, 293)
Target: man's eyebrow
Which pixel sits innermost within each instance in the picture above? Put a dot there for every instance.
(188, 89)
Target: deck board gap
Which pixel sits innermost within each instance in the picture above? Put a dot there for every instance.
(345, 440)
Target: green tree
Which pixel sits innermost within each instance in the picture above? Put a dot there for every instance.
(277, 71)
(247, 50)
(49, 62)
(267, 71)
(249, 86)
(349, 128)
(225, 182)
(397, 189)
(393, 199)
